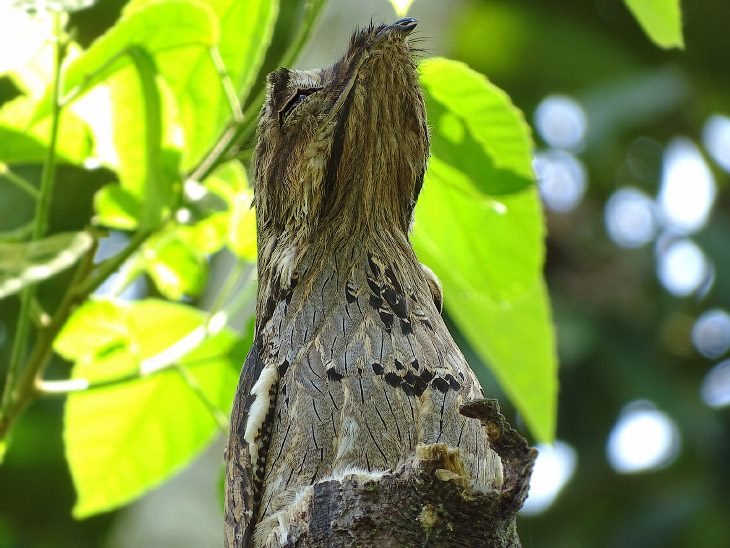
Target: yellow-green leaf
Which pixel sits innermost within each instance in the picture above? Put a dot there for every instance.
(229, 181)
(24, 141)
(123, 439)
(660, 19)
(245, 30)
(479, 226)
(160, 26)
(401, 7)
(176, 268)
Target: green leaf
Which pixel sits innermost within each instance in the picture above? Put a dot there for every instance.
(242, 233)
(525, 349)
(493, 245)
(401, 7)
(116, 207)
(245, 33)
(160, 26)
(93, 330)
(474, 122)
(138, 139)
(123, 439)
(22, 141)
(206, 236)
(24, 264)
(479, 226)
(229, 181)
(177, 268)
(660, 19)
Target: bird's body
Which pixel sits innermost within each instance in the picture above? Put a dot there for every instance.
(352, 365)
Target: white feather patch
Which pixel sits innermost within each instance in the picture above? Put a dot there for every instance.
(286, 264)
(350, 428)
(260, 408)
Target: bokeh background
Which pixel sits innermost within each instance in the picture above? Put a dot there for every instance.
(633, 156)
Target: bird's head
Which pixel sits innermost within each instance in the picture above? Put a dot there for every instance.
(344, 146)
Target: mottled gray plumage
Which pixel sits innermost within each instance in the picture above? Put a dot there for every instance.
(352, 366)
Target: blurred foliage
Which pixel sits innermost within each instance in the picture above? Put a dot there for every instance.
(162, 373)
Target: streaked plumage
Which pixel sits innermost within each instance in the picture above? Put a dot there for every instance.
(352, 365)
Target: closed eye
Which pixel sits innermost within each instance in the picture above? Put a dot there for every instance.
(296, 99)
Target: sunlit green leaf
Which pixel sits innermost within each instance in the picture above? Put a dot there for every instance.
(206, 236)
(245, 33)
(475, 122)
(92, 330)
(25, 52)
(479, 226)
(27, 263)
(660, 19)
(176, 268)
(493, 244)
(22, 141)
(401, 7)
(116, 207)
(138, 138)
(124, 439)
(160, 26)
(525, 349)
(229, 181)
(242, 233)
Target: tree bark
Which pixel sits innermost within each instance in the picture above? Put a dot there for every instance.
(427, 501)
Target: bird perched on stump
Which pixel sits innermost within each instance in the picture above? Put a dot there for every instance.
(352, 366)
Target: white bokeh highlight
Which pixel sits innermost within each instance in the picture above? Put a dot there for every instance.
(711, 333)
(716, 139)
(554, 467)
(561, 179)
(561, 122)
(683, 267)
(630, 218)
(715, 389)
(687, 189)
(643, 438)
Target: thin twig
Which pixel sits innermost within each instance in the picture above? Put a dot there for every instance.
(17, 234)
(18, 181)
(111, 265)
(227, 84)
(40, 222)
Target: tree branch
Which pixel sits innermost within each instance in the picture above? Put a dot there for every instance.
(427, 501)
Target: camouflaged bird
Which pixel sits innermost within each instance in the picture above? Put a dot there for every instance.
(352, 366)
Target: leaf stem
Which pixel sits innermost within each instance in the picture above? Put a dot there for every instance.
(40, 222)
(238, 131)
(218, 416)
(18, 181)
(228, 88)
(17, 234)
(111, 265)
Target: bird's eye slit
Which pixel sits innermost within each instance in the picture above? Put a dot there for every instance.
(295, 101)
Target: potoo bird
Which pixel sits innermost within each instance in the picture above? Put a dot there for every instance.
(352, 365)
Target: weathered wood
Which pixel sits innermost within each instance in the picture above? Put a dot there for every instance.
(427, 501)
